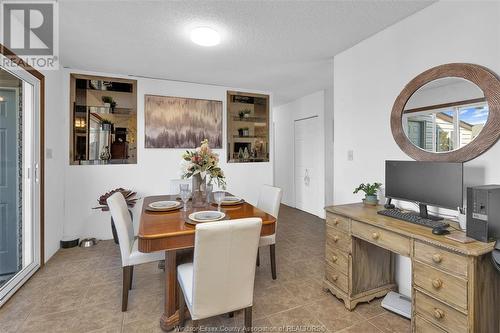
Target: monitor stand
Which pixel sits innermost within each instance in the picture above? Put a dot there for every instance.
(424, 214)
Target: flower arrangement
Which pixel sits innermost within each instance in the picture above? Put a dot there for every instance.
(203, 162)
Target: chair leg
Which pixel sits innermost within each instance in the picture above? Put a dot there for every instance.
(272, 251)
(131, 277)
(126, 285)
(182, 307)
(258, 258)
(248, 319)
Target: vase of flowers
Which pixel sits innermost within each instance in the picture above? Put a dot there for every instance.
(202, 166)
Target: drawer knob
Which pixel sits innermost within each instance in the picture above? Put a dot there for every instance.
(437, 258)
(335, 239)
(335, 277)
(437, 283)
(336, 221)
(375, 235)
(438, 313)
(334, 258)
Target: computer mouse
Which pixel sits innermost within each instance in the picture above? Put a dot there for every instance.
(440, 231)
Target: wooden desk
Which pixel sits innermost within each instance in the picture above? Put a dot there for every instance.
(454, 286)
(167, 231)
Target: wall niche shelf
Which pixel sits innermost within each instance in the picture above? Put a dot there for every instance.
(247, 113)
(103, 120)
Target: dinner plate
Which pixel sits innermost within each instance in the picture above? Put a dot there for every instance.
(207, 216)
(162, 206)
(230, 201)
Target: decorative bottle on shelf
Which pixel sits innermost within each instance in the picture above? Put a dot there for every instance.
(105, 154)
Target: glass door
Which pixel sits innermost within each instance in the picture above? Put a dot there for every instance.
(19, 178)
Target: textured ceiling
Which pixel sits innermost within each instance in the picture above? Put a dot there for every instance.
(280, 46)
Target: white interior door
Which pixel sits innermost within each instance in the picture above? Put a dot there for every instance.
(19, 178)
(306, 166)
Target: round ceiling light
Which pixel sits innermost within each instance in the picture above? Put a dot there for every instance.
(205, 36)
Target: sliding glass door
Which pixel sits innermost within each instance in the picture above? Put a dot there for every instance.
(19, 178)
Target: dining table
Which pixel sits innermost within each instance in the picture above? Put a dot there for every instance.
(169, 231)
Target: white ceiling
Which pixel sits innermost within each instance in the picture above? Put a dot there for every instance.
(284, 47)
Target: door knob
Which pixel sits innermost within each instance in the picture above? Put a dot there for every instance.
(375, 235)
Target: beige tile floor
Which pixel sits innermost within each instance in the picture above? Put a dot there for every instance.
(79, 290)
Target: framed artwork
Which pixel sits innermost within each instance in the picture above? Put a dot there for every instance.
(178, 122)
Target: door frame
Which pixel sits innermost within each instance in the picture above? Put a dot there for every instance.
(294, 166)
(39, 120)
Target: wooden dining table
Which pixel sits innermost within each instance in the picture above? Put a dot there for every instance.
(169, 232)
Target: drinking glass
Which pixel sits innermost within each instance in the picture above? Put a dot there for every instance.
(185, 194)
(219, 197)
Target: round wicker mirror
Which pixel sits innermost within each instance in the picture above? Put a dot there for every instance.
(449, 113)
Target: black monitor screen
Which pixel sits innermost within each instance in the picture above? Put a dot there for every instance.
(432, 183)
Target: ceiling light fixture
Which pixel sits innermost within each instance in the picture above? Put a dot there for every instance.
(205, 36)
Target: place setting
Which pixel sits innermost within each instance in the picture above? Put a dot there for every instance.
(164, 206)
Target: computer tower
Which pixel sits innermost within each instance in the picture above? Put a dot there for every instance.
(483, 212)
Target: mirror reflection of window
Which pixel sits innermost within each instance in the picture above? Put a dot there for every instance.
(445, 115)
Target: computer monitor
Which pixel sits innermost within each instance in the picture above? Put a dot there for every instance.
(427, 183)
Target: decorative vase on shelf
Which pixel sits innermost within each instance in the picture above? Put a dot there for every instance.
(105, 154)
(198, 190)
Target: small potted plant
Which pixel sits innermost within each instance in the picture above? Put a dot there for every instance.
(241, 114)
(109, 102)
(106, 125)
(370, 192)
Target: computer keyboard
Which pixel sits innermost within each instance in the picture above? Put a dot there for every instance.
(412, 218)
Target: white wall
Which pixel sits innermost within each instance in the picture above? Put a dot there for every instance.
(369, 76)
(284, 117)
(72, 191)
(54, 163)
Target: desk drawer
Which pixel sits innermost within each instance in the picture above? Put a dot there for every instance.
(338, 240)
(337, 222)
(440, 313)
(383, 238)
(448, 288)
(423, 326)
(337, 259)
(336, 278)
(440, 258)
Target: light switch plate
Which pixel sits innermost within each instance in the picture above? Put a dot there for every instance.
(350, 155)
(48, 153)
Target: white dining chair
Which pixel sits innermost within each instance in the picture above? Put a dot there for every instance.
(221, 277)
(269, 202)
(128, 244)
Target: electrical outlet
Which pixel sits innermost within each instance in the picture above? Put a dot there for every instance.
(350, 155)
